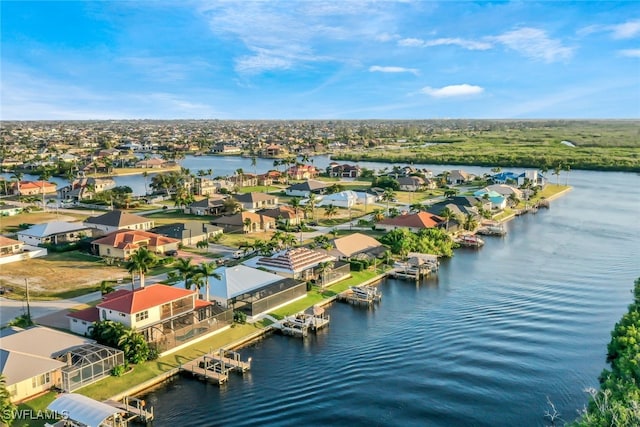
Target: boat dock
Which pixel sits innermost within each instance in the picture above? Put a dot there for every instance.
(417, 267)
(299, 325)
(134, 408)
(492, 229)
(469, 241)
(207, 368)
(231, 360)
(361, 295)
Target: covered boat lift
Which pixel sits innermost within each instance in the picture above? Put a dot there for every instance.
(79, 410)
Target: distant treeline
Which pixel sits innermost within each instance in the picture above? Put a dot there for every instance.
(617, 403)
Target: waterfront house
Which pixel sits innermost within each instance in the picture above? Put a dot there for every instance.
(189, 232)
(505, 177)
(54, 232)
(415, 183)
(461, 205)
(212, 205)
(274, 150)
(244, 180)
(37, 359)
(83, 188)
(414, 222)
(253, 201)
(221, 148)
(118, 220)
(166, 316)
(247, 222)
(124, 243)
(506, 190)
(299, 172)
(10, 210)
(303, 189)
(297, 263)
(153, 163)
(253, 291)
(457, 177)
(343, 171)
(356, 245)
(532, 177)
(497, 200)
(33, 188)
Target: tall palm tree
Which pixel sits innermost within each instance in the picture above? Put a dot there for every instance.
(45, 176)
(254, 163)
(145, 174)
(208, 270)
(448, 215)
(378, 215)
(470, 223)
(186, 269)
(323, 268)
(387, 196)
(247, 225)
(141, 262)
(312, 201)
(17, 177)
(330, 211)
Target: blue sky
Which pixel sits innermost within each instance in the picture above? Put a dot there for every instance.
(319, 60)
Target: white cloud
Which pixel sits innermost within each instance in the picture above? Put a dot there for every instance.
(626, 30)
(633, 53)
(535, 44)
(387, 69)
(466, 44)
(385, 37)
(452, 91)
(411, 42)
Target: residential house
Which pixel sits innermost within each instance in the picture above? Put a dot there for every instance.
(337, 170)
(118, 220)
(298, 172)
(532, 177)
(189, 232)
(54, 232)
(415, 183)
(10, 210)
(153, 163)
(253, 291)
(32, 360)
(212, 205)
(253, 201)
(505, 178)
(10, 246)
(271, 177)
(297, 263)
(166, 316)
(244, 180)
(83, 188)
(414, 222)
(206, 186)
(226, 149)
(343, 199)
(303, 189)
(124, 243)
(238, 222)
(461, 206)
(273, 150)
(285, 214)
(356, 245)
(457, 177)
(497, 200)
(33, 188)
(506, 190)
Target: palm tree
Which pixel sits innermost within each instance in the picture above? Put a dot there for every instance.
(145, 174)
(186, 269)
(388, 196)
(141, 262)
(254, 163)
(240, 174)
(556, 172)
(567, 169)
(447, 214)
(247, 223)
(378, 215)
(208, 270)
(323, 269)
(288, 240)
(312, 201)
(231, 205)
(17, 177)
(470, 223)
(330, 211)
(7, 409)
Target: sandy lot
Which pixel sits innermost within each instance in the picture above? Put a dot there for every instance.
(59, 272)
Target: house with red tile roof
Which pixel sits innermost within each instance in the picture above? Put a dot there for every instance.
(33, 188)
(166, 316)
(414, 222)
(124, 243)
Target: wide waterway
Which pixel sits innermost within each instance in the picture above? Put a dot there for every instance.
(526, 317)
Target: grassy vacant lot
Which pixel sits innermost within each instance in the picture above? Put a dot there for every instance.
(599, 145)
(60, 275)
(10, 224)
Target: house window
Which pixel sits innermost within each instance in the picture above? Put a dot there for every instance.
(75, 320)
(122, 315)
(104, 314)
(108, 251)
(40, 380)
(142, 315)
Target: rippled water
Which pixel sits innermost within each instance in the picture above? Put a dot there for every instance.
(500, 329)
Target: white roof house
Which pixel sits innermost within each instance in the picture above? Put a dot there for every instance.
(238, 280)
(49, 232)
(343, 199)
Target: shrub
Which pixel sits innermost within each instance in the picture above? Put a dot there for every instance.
(118, 370)
(240, 317)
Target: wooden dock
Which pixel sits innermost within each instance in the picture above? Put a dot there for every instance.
(207, 368)
(135, 409)
(417, 267)
(361, 295)
(231, 360)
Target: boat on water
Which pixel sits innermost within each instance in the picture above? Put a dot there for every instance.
(469, 241)
(492, 230)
